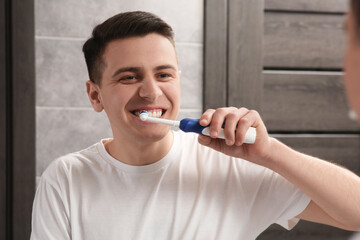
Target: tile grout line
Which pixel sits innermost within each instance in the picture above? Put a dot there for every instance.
(195, 44)
(60, 38)
(84, 39)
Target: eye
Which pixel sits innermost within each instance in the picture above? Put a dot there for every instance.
(127, 79)
(164, 76)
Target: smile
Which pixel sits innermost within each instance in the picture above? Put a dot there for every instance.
(156, 113)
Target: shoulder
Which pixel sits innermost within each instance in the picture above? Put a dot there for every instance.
(64, 166)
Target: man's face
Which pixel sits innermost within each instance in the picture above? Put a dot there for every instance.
(352, 65)
(141, 73)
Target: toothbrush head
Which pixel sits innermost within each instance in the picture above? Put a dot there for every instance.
(144, 115)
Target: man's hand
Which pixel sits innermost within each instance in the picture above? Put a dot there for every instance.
(237, 122)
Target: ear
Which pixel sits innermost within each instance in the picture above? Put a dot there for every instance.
(93, 91)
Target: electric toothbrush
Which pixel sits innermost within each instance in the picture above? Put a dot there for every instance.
(193, 125)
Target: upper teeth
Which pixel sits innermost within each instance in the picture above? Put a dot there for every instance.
(154, 113)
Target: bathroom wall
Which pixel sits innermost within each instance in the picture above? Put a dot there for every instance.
(65, 120)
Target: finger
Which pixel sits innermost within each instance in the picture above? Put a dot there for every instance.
(217, 121)
(206, 117)
(231, 122)
(230, 127)
(219, 145)
(204, 140)
(247, 121)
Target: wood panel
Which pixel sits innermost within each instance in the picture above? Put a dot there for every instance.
(343, 149)
(215, 54)
(297, 40)
(305, 101)
(245, 53)
(329, 6)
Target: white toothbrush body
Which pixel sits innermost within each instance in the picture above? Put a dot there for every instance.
(192, 125)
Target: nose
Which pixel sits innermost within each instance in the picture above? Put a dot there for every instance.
(149, 89)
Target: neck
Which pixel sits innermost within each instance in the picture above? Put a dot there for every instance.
(139, 153)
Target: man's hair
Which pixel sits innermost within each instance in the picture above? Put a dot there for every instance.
(355, 8)
(120, 26)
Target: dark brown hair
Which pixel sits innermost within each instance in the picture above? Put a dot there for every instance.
(123, 25)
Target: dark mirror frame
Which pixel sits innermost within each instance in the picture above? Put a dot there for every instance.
(17, 118)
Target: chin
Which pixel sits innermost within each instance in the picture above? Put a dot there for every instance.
(155, 136)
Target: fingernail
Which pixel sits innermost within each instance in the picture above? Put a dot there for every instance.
(213, 133)
(203, 121)
(229, 142)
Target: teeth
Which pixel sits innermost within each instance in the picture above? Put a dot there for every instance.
(155, 113)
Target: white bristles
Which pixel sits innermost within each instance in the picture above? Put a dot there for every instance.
(144, 116)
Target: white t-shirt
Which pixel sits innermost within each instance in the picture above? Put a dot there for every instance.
(194, 192)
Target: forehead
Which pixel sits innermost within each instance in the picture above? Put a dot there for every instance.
(151, 49)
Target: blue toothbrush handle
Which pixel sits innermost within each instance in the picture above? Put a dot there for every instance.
(193, 125)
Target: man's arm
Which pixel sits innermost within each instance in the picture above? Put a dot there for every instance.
(335, 191)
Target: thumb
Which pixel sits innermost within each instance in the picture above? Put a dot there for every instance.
(204, 140)
(213, 143)
(220, 146)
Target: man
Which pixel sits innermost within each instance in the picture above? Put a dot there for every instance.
(149, 182)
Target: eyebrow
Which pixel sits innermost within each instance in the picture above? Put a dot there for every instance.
(167, 66)
(138, 69)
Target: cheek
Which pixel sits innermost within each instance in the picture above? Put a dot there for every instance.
(174, 92)
(118, 97)
(171, 89)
